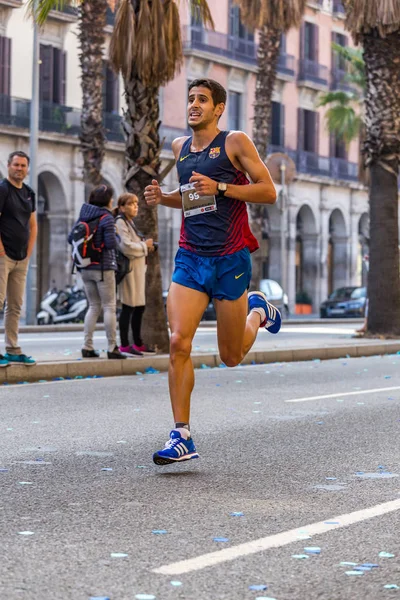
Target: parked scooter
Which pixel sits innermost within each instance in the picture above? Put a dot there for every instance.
(63, 306)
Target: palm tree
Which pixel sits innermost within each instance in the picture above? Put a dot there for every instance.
(272, 18)
(376, 26)
(345, 114)
(146, 47)
(92, 22)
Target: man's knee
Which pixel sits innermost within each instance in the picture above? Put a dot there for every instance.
(230, 358)
(180, 345)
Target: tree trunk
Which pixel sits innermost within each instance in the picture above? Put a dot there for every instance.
(267, 59)
(92, 41)
(141, 125)
(382, 151)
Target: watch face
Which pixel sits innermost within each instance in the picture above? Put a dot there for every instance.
(222, 187)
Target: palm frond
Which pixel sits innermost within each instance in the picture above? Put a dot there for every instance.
(173, 40)
(158, 41)
(144, 44)
(338, 97)
(202, 11)
(44, 7)
(274, 14)
(123, 39)
(344, 122)
(363, 16)
(354, 56)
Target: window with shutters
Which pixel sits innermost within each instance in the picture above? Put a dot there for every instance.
(277, 129)
(308, 131)
(52, 82)
(241, 39)
(310, 48)
(234, 110)
(5, 66)
(338, 147)
(338, 61)
(110, 90)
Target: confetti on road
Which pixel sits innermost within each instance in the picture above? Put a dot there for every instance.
(106, 469)
(3, 470)
(25, 483)
(151, 371)
(159, 531)
(354, 573)
(348, 564)
(237, 514)
(391, 586)
(176, 583)
(145, 597)
(379, 475)
(99, 598)
(258, 588)
(331, 478)
(312, 550)
(300, 556)
(118, 555)
(221, 539)
(371, 565)
(26, 532)
(386, 555)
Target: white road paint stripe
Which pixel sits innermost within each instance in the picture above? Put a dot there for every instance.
(343, 394)
(275, 541)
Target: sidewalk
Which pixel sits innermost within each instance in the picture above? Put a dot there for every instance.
(267, 349)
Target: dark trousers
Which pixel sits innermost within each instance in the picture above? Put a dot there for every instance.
(131, 316)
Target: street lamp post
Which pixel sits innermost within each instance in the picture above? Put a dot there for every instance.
(31, 287)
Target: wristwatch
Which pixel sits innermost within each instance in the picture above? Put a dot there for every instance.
(222, 187)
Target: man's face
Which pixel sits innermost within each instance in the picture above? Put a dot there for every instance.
(18, 168)
(201, 109)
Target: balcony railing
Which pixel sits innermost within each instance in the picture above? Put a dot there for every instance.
(338, 8)
(343, 169)
(311, 71)
(338, 81)
(228, 46)
(286, 64)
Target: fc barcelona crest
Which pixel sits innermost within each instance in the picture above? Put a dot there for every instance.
(215, 152)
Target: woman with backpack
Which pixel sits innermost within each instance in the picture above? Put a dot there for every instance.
(131, 290)
(94, 241)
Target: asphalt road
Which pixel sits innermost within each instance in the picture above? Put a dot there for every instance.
(65, 346)
(71, 530)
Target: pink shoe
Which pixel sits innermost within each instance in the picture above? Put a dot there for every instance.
(130, 350)
(143, 349)
(125, 349)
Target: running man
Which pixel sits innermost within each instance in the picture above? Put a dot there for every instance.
(213, 259)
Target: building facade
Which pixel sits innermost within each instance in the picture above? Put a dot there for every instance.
(325, 217)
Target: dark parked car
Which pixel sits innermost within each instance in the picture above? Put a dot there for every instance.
(345, 302)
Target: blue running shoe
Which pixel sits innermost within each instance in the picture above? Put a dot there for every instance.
(177, 449)
(20, 359)
(273, 321)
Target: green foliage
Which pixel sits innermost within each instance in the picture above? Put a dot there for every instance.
(303, 298)
(344, 117)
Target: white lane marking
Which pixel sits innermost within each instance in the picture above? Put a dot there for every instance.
(343, 394)
(275, 541)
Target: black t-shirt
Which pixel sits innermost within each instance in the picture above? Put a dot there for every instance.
(16, 207)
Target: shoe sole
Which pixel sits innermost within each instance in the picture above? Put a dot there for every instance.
(15, 364)
(162, 460)
(4, 366)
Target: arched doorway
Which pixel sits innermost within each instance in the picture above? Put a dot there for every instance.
(363, 249)
(52, 245)
(306, 260)
(337, 251)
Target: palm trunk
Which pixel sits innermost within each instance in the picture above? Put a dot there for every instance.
(267, 58)
(92, 40)
(382, 150)
(141, 125)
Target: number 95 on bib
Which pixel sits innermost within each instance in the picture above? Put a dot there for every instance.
(194, 204)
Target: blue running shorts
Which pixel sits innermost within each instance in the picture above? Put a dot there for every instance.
(222, 277)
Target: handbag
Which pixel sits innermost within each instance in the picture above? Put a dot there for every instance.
(123, 264)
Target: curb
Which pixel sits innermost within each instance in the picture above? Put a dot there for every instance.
(48, 371)
(72, 328)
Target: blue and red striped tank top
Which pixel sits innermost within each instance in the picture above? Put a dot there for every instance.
(225, 230)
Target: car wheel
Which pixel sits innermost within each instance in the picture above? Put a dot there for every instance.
(322, 314)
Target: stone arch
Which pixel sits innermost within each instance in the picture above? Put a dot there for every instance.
(363, 248)
(306, 252)
(53, 220)
(337, 251)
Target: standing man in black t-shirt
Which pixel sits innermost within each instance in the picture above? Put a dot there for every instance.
(18, 232)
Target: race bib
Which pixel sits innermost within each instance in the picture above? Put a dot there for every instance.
(194, 204)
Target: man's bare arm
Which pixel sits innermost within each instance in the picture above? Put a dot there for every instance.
(153, 193)
(33, 229)
(242, 149)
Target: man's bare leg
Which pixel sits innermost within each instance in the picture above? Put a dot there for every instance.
(185, 307)
(236, 330)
